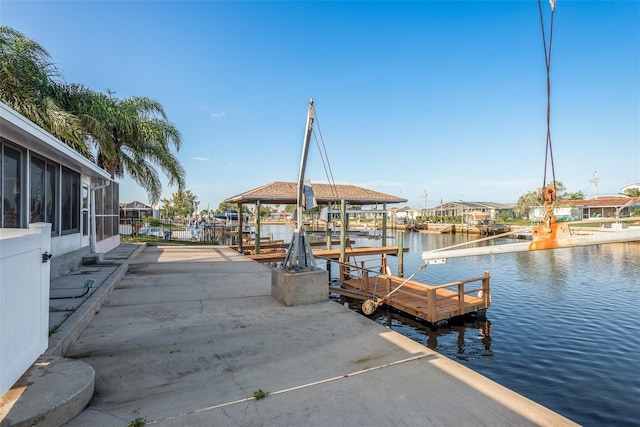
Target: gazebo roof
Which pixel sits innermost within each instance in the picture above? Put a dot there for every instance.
(286, 193)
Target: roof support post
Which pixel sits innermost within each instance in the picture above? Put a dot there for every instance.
(257, 245)
(384, 224)
(343, 231)
(240, 225)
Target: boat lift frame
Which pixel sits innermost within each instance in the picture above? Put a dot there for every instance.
(299, 255)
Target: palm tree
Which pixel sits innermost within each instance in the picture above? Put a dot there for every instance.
(27, 79)
(631, 192)
(131, 136)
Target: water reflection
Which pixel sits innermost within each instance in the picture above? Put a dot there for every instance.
(472, 337)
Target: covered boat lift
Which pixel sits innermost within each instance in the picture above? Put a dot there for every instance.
(286, 193)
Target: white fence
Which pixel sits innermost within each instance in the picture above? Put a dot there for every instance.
(24, 299)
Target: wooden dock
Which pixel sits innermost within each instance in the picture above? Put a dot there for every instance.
(432, 303)
(332, 254)
(365, 279)
(269, 246)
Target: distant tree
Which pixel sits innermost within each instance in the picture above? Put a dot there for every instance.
(526, 202)
(223, 206)
(181, 203)
(264, 211)
(578, 195)
(132, 136)
(534, 198)
(631, 192)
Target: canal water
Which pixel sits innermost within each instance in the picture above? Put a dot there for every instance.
(563, 328)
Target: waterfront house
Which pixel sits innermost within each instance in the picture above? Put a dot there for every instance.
(605, 207)
(44, 180)
(135, 211)
(463, 209)
(57, 207)
(602, 207)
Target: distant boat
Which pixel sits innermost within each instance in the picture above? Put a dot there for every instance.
(229, 214)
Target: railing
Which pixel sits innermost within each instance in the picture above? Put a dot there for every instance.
(362, 269)
(442, 301)
(174, 231)
(457, 295)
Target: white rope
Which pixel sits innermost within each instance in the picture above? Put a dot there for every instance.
(300, 387)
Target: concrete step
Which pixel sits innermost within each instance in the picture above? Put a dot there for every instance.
(52, 392)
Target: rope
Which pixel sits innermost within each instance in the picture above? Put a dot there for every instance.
(548, 155)
(327, 166)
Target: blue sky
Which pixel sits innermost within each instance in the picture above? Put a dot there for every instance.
(447, 98)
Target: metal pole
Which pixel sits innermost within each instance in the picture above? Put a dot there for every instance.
(303, 162)
(565, 242)
(299, 254)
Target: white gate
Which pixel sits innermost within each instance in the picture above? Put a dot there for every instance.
(24, 299)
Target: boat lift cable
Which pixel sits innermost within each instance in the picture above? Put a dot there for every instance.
(325, 160)
(549, 191)
(554, 235)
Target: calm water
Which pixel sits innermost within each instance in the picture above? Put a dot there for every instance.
(563, 328)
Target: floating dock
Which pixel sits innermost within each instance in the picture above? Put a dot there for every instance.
(364, 276)
(431, 303)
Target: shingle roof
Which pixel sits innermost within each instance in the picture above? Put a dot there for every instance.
(286, 193)
(135, 205)
(603, 202)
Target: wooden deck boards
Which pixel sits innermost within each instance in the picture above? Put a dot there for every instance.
(414, 297)
(427, 302)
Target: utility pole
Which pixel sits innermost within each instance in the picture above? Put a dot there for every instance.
(595, 181)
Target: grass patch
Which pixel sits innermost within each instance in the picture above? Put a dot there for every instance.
(138, 422)
(260, 394)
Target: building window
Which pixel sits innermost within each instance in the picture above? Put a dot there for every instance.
(11, 189)
(85, 209)
(44, 184)
(107, 211)
(70, 201)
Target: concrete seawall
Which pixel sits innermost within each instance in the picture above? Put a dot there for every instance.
(192, 336)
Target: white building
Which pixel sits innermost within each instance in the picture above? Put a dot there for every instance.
(633, 185)
(43, 180)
